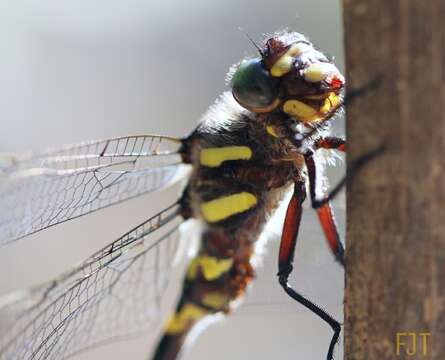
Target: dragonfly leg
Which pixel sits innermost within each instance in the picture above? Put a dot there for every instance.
(331, 143)
(322, 204)
(286, 255)
(335, 143)
(325, 213)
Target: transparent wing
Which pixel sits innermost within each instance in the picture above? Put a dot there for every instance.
(45, 190)
(114, 293)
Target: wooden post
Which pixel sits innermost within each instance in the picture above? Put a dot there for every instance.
(395, 280)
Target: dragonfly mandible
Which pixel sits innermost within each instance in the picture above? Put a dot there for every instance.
(254, 143)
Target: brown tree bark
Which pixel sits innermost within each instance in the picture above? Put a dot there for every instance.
(395, 279)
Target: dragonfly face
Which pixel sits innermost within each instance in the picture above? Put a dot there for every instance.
(290, 77)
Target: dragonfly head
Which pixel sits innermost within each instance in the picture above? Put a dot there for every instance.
(290, 76)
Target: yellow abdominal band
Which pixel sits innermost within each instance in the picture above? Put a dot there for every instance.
(216, 300)
(214, 157)
(188, 314)
(226, 206)
(211, 267)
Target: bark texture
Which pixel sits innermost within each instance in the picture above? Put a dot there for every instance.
(395, 279)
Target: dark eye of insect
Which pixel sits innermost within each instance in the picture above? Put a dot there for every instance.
(253, 86)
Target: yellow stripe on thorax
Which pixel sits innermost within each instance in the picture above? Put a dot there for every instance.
(223, 207)
(211, 267)
(188, 314)
(214, 157)
(272, 131)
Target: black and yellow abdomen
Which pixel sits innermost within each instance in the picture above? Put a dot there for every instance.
(232, 190)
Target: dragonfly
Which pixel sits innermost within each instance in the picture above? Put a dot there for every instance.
(255, 142)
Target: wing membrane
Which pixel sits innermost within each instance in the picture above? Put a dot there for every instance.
(114, 293)
(45, 190)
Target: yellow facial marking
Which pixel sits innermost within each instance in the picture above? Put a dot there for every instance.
(300, 48)
(212, 268)
(306, 113)
(188, 314)
(271, 131)
(215, 300)
(283, 65)
(223, 207)
(331, 103)
(214, 157)
(300, 110)
(318, 71)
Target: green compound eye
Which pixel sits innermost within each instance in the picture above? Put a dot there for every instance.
(252, 85)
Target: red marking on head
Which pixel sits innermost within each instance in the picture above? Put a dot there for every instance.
(336, 80)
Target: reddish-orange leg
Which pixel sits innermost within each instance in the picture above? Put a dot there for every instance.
(327, 221)
(290, 235)
(321, 202)
(286, 256)
(331, 142)
(356, 166)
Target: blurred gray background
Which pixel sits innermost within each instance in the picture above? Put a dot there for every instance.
(79, 70)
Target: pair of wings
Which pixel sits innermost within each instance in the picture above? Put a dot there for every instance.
(116, 291)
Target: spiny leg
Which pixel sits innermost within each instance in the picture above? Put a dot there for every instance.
(286, 256)
(335, 143)
(331, 142)
(324, 212)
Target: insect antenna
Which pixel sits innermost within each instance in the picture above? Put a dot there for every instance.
(252, 41)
